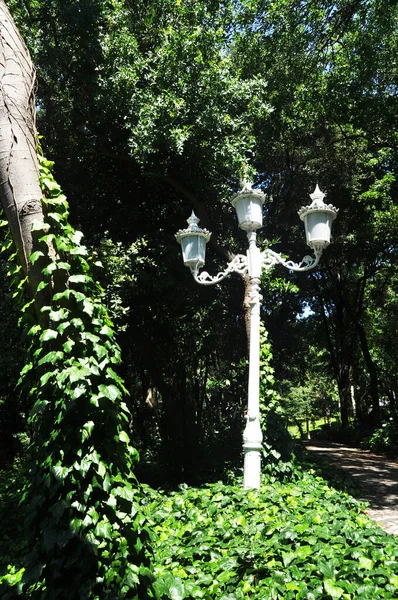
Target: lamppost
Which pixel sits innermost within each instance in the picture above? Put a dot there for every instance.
(248, 203)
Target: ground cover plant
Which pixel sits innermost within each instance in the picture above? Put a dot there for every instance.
(296, 540)
(300, 539)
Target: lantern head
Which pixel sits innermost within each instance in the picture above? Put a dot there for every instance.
(193, 242)
(248, 204)
(318, 218)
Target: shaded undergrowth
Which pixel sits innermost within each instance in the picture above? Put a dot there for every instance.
(297, 539)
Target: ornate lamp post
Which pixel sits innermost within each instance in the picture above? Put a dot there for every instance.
(248, 203)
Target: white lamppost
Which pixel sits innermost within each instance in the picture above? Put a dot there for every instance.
(248, 203)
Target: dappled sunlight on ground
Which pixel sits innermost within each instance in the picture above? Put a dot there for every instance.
(376, 477)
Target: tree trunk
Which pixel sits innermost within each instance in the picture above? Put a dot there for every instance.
(20, 192)
(372, 371)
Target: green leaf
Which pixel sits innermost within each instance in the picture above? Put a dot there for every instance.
(110, 391)
(63, 265)
(35, 329)
(366, 563)
(35, 256)
(123, 437)
(40, 226)
(78, 373)
(107, 331)
(39, 406)
(48, 335)
(55, 217)
(62, 326)
(49, 184)
(61, 295)
(78, 278)
(51, 357)
(42, 285)
(76, 237)
(171, 587)
(60, 472)
(68, 345)
(88, 427)
(58, 315)
(326, 569)
(88, 307)
(103, 529)
(46, 377)
(332, 589)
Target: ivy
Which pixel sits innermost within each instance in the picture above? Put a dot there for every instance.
(277, 448)
(87, 535)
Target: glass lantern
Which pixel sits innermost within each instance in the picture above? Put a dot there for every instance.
(193, 242)
(318, 218)
(248, 204)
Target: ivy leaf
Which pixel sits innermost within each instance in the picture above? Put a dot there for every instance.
(103, 529)
(78, 373)
(107, 331)
(62, 326)
(51, 357)
(326, 569)
(39, 406)
(123, 437)
(171, 586)
(110, 391)
(332, 589)
(42, 285)
(76, 237)
(365, 563)
(88, 307)
(40, 226)
(35, 256)
(68, 346)
(55, 217)
(48, 335)
(63, 265)
(80, 278)
(46, 377)
(58, 315)
(60, 472)
(88, 428)
(35, 329)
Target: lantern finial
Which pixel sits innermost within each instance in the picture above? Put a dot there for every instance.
(193, 222)
(317, 198)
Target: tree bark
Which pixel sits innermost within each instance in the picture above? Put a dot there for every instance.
(372, 371)
(20, 192)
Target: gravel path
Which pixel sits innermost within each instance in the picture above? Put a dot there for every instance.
(376, 477)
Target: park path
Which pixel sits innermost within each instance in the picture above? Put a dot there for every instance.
(376, 477)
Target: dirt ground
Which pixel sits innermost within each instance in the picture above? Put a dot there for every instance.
(375, 476)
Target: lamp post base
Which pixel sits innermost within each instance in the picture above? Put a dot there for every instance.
(252, 445)
(252, 467)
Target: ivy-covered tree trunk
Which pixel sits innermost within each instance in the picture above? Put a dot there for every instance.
(20, 191)
(87, 531)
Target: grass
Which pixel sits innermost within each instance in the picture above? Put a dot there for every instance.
(314, 425)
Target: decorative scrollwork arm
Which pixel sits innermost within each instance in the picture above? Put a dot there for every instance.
(271, 258)
(237, 265)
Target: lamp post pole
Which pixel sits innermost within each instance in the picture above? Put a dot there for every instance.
(252, 435)
(248, 203)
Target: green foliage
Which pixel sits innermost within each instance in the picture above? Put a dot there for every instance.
(384, 439)
(294, 540)
(122, 266)
(87, 535)
(13, 544)
(277, 444)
